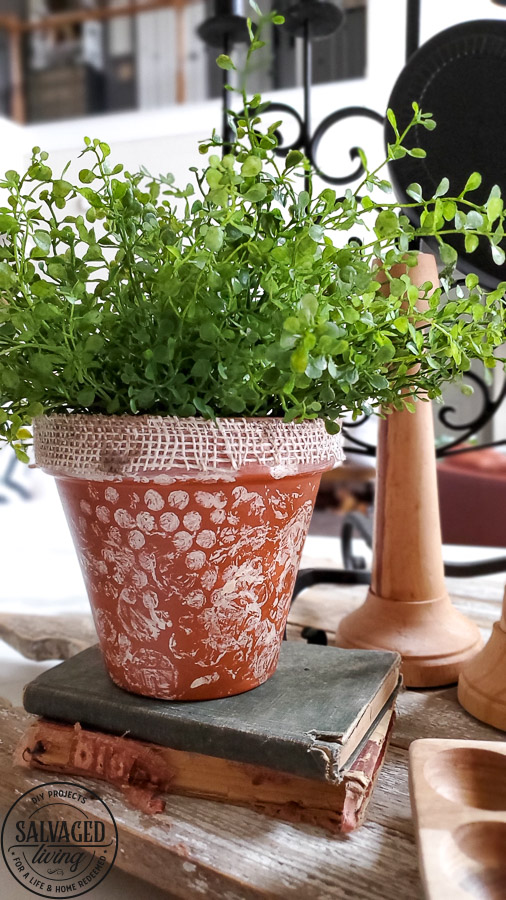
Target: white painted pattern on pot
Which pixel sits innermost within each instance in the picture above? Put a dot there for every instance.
(231, 579)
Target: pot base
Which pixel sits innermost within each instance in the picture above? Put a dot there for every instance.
(433, 638)
(206, 691)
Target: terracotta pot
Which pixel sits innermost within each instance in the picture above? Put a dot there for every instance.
(189, 536)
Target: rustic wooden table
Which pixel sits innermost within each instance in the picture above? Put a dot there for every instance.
(198, 849)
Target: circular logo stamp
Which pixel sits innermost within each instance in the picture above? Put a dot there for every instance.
(59, 839)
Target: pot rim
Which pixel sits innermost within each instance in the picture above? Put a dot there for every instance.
(170, 448)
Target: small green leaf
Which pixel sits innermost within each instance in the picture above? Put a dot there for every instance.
(386, 224)
(498, 254)
(94, 343)
(449, 210)
(448, 254)
(413, 293)
(213, 177)
(42, 240)
(350, 315)
(309, 304)
(474, 219)
(414, 190)
(292, 325)
(256, 193)
(7, 276)
(302, 201)
(384, 354)
(472, 182)
(401, 324)
(93, 254)
(21, 454)
(251, 166)
(299, 360)
(40, 173)
(316, 233)
(392, 119)
(460, 220)
(494, 208)
(61, 188)
(8, 224)
(86, 397)
(442, 188)
(471, 242)
(379, 382)
(86, 176)
(214, 238)
(209, 332)
(224, 62)
(293, 158)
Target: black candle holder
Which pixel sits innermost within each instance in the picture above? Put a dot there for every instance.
(309, 21)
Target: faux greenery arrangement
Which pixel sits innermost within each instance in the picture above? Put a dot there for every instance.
(230, 297)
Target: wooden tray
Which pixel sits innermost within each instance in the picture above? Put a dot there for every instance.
(458, 795)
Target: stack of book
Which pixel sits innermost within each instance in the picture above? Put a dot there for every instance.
(305, 746)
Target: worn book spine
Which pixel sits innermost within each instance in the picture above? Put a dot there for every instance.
(144, 772)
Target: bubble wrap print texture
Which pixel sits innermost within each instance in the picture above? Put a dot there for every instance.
(190, 585)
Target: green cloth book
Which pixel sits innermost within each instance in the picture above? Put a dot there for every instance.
(310, 719)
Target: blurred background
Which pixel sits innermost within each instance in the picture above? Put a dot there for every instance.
(62, 59)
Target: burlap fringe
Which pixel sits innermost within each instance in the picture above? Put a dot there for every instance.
(101, 447)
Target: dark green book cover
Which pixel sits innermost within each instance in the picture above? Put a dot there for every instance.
(309, 719)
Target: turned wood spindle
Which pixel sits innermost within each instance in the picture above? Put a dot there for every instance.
(407, 608)
(482, 682)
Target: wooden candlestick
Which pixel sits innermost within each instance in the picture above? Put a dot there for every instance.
(408, 608)
(482, 682)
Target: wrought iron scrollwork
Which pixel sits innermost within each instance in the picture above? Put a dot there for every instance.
(331, 120)
(355, 444)
(467, 429)
(282, 149)
(463, 430)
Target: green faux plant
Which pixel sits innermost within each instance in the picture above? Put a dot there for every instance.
(242, 294)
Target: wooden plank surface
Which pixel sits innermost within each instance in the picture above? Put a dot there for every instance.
(205, 849)
(47, 637)
(323, 606)
(201, 849)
